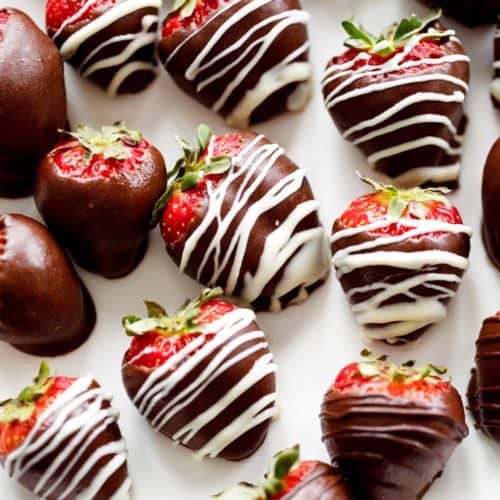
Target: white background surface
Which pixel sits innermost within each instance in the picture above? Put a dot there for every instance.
(310, 342)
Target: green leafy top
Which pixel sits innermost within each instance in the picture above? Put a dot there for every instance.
(406, 372)
(22, 407)
(412, 199)
(184, 7)
(110, 141)
(282, 464)
(158, 320)
(393, 37)
(189, 169)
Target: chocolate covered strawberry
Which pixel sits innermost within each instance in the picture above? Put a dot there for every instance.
(400, 256)
(391, 429)
(247, 59)
(110, 42)
(469, 12)
(292, 479)
(44, 307)
(400, 97)
(241, 215)
(203, 377)
(96, 191)
(32, 100)
(60, 439)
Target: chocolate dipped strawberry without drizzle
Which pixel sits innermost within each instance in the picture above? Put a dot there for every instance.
(399, 97)
(203, 377)
(110, 42)
(241, 215)
(400, 256)
(96, 190)
(248, 60)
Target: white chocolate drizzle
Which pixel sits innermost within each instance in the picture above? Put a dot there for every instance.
(227, 340)
(400, 319)
(379, 125)
(79, 414)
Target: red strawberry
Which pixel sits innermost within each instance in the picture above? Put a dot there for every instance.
(203, 377)
(399, 97)
(96, 192)
(290, 478)
(391, 429)
(400, 256)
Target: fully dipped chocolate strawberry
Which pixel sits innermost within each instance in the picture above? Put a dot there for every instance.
(400, 257)
(469, 12)
(44, 307)
(495, 84)
(60, 439)
(241, 215)
(399, 98)
(96, 191)
(246, 59)
(110, 42)
(203, 377)
(391, 429)
(32, 100)
(483, 392)
(490, 196)
(291, 479)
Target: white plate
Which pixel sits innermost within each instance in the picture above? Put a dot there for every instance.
(310, 342)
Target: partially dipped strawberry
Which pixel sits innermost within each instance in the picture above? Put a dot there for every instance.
(400, 97)
(391, 429)
(110, 42)
(246, 60)
(60, 439)
(241, 215)
(400, 256)
(32, 100)
(292, 479)
(203, 377)
(96, 190)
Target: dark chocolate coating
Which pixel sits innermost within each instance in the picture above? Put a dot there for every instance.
(134, 377)
(483, 392)
(32, 101)
(458, 243)
(104, 222)
(491, 207)
(264, 226)
(391, 448)
(44, 308)
(106, 436)
(351, 112)
(469, 12)
(324, 482)
(86, 54)
(290, 39)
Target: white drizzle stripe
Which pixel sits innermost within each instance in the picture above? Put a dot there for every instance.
(257, 160)
(228, 340)
(74, 17)
(125, 71)
(438, 174)
(54, 427)
(401, 318)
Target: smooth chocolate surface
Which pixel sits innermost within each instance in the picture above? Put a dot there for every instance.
(32, 100)
(469, 12)
(483, 392)
(391, 448)
(491, 205)
(45, 309)
(104, 222)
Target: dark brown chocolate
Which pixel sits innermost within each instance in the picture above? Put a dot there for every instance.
(32, 100)
(247, 67)
(391, 448)
(44, 308)
(103, 221)
(408, 122)
(495, 84)
(115, 48)
(469, 12)
(483, 392)
(491, 211)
